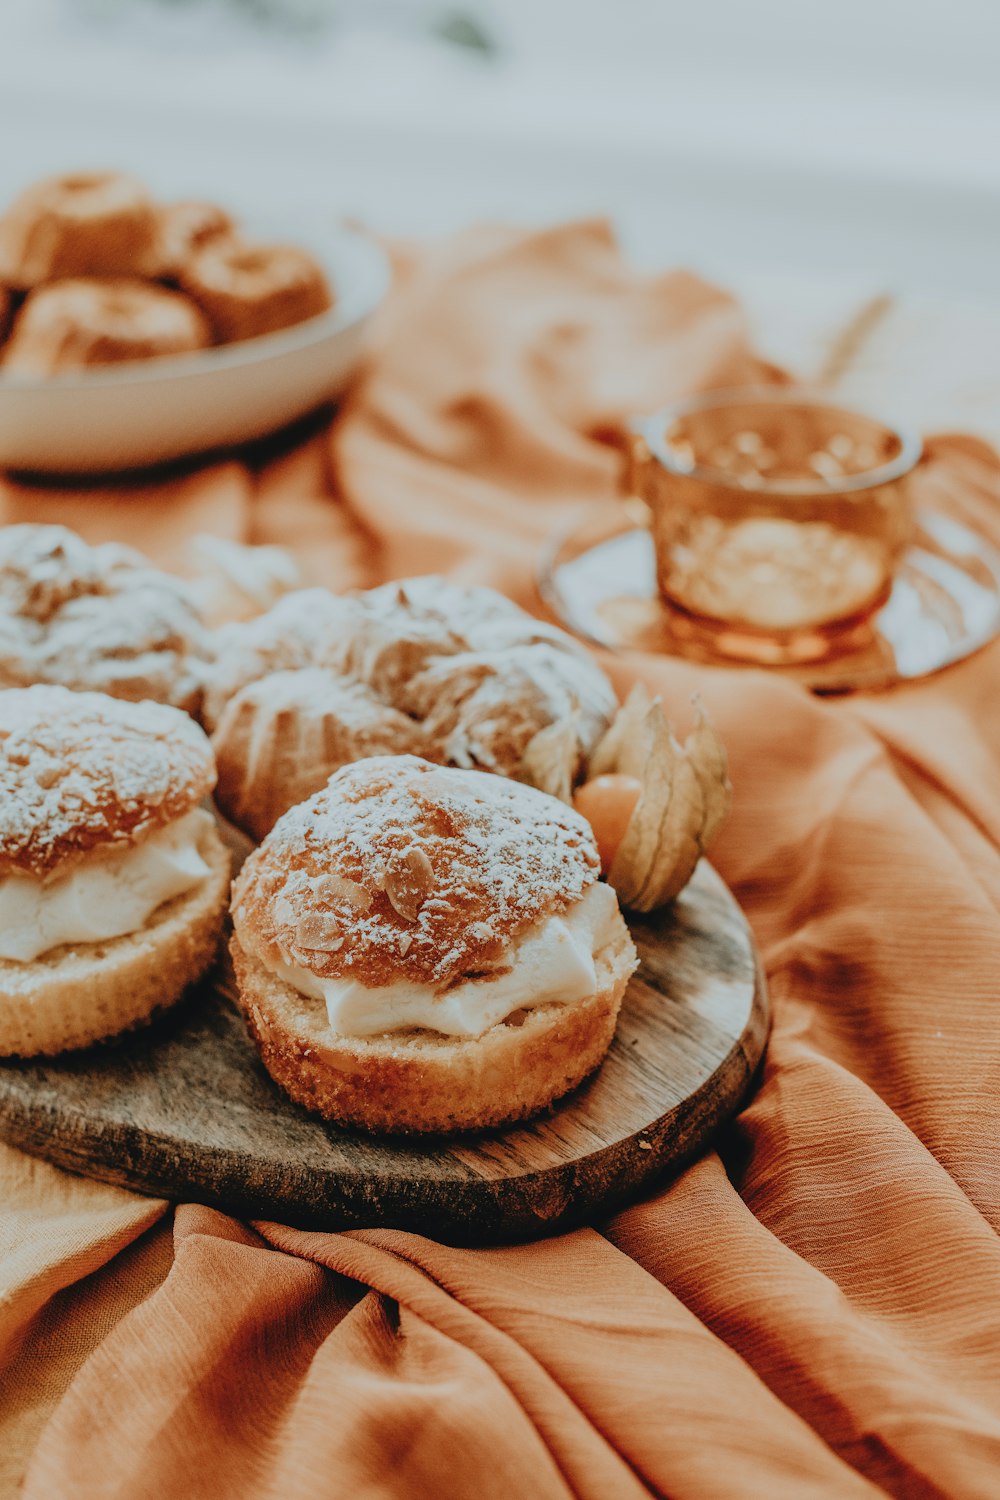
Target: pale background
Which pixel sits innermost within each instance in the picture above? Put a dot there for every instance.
(809, 155)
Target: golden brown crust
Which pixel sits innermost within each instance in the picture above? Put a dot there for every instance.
(404, 869)
(74, 996)
(489, 687)
(280, 740)
(100, 619)
(304, 629)
(421, 1082)
(185, 228)
(414, 624)
(247, 290)
(71, 325)
(81, 771)
(82, 224)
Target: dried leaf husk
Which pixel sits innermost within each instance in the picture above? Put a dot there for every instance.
(684, 799)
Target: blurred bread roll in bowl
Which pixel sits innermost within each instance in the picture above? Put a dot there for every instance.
(246, 290)
(267, 337)
(185, 228)
(114, 276)
(79, 224)
(74, 324)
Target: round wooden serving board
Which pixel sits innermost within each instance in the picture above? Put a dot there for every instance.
(185, 1110)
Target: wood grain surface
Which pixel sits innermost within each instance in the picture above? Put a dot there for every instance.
(185, 1110)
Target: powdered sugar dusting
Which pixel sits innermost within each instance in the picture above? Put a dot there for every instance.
(480, 676)
(484, 707)
(80, 770)
(445, 869)
(95, 618)
(303, 630)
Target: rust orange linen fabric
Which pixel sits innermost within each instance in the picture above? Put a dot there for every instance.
(811, 1311)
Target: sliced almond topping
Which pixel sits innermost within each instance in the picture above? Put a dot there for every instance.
(409, 880)
(319, 931)
(333, 888)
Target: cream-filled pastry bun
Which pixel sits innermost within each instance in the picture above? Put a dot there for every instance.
(304, 629)
(279, 741)
(113, 881)
(484, 685)
(99, 619)
(420, 948)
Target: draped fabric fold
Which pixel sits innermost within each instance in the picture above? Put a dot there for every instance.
(813, 1309)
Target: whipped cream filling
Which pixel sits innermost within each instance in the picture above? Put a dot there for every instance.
(551, 963)
(108, 894)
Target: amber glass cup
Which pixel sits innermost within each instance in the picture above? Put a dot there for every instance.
(778, 518)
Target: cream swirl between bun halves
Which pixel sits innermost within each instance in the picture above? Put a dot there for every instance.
(113, 881)
(420, 948)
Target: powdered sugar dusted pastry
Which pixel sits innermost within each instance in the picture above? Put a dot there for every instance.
(113, 882)
(82, 224)
(307, 628)
(70, 325)
(247, 290)
(99, 618)
(486, 685)
(236, 582)
(420, 948)
(483, 675)
(483, 708)
(279, 740)
(405, 627)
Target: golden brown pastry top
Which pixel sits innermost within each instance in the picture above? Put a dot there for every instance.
(481, 676)
(248, 290)
(280, 740)
(80, 224)
(185, 228)
(306, 628)
(403, 869)
(82, 321)
(81, 771)
(99, 618)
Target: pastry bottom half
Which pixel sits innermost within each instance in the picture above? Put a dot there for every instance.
(82, 993)
(420, 1081)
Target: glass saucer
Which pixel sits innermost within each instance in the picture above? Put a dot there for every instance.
(599, 579)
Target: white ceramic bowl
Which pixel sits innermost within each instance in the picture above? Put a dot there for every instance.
(147, 411)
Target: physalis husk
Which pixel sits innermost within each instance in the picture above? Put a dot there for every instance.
(684, 798)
